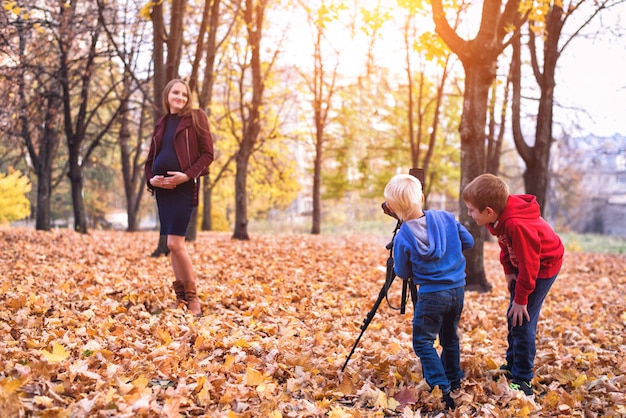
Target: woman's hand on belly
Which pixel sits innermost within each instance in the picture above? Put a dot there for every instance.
(163, 182)
(177, 177)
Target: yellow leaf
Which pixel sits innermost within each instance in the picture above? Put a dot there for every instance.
(140, 383)
(164, 335)
(523, 412)
(200, 382)
(241, 343)
(580, 380)
(345, 386)
(57, 355)
(337, 412)
(43, 401)
(253, 377)
(146, 11)
(8, 5)
(392, 404)
(491, 364)
(229, 361)
(382, 400)
(198, 343)
(203, 396)
(9, 386)
(552, 399)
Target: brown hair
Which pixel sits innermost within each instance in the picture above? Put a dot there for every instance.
(187, 109)
(487, 190)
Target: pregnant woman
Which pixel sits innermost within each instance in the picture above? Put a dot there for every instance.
(180, 152)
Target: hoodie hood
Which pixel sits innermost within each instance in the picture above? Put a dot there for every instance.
(430, 251)
(520, 206)
(431, 234)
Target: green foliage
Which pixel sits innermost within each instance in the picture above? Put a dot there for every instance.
(14, 204)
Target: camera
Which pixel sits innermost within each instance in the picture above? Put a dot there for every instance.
(418, 173)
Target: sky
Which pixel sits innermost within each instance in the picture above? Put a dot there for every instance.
(592, 76)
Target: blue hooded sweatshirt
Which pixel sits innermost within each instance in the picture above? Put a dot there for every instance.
(430, 251)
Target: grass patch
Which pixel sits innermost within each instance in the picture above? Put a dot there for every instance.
(591, 243)
(588, 243)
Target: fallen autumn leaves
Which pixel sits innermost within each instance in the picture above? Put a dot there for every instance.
(88, 328)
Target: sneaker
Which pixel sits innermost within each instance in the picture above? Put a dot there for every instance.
(523, 386)
(448, 401)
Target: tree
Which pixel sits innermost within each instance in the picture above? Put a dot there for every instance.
(36, 124)
(203, 67)
(479, 58)
(167, 52)
(253, 15)
(88, 112)
(322, 86)
(133, 106)
(545, 48)
(424, 105)
(13, 202)
(207, 44)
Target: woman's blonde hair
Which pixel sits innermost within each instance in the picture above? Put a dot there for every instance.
(404, 194)
(187, 109)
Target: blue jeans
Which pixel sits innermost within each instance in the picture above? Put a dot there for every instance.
(438, 314)
(520, 354)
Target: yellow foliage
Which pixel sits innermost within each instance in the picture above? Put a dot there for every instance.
(13, 202)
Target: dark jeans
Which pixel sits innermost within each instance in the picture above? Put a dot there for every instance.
(438, 314)
(520, 354)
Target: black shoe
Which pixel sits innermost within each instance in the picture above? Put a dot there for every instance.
(523, 386)
(455, 385)
(448, 401)
(504, 370)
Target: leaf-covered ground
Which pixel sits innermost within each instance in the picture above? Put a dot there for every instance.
(88, 327)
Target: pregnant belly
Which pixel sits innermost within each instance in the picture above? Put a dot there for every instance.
(162, 165)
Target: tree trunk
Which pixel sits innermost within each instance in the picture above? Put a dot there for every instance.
(322, 87)
(206, 202)
(78, 204)
(158, 56)
(479, 57)
(45, 161)
(472, 129)
(42, 216)
(241, 198)
(254, 16)
(192, 228)
(317, 185)
(537, 157)
(161, 248)
(42, 156)
(124, 139)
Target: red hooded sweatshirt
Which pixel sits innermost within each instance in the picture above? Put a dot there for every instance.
(529, 246)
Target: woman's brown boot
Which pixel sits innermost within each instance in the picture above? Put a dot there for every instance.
(179, 289)
(193, 303)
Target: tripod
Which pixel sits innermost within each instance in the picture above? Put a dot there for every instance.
(389, 278)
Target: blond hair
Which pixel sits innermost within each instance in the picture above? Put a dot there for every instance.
(485, 191)
(404, 194)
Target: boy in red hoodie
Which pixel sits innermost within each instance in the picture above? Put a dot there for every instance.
(531, 255)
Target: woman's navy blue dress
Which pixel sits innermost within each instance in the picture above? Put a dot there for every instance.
(175, 205)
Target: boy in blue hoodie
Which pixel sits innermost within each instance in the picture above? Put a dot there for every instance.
(428, 249)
